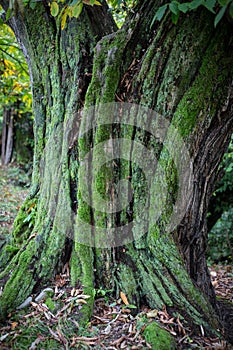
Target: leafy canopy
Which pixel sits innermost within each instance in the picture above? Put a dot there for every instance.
(64, 9)
(217, 7)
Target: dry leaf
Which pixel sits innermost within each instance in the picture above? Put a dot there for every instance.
(14, 325)
(83, 296)
(4, 336)
(81, 301)
(72, 293)
(107, 330)
(124, 298)
(152, 313)
(213, 273)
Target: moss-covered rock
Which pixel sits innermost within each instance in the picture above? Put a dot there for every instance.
(158, 337)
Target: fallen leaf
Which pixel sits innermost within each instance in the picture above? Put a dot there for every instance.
(107, 330)
(152, 313)
(124, 298)
(14, 325)
(4, 336)
(213, 273)
(81, 301)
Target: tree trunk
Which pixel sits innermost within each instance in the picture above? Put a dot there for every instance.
(121, 190)
(7, 136)
(4, 133)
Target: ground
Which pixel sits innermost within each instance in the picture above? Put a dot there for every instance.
(50, 319)
(14, 183)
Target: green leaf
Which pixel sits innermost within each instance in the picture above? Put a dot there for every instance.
(210, 4)
(8, 14)
(173, 6)
(175, 17)
(220, 15)
(92, 2)
(77, 10)
(183, 7)
(223, 2)
(160, 13)
(195, 4)
(231, 10)
(131, 306)
(54, 9)
(33, 4)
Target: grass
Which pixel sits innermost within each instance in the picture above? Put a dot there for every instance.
(14, 183)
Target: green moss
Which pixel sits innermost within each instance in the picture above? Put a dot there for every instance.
(11, 248)
(82, 270)
(19, 285)
(158, 337)
(126, 282)
(51, 304)
(190, 299)
(106, 69)
(25, 217)
(201, 102)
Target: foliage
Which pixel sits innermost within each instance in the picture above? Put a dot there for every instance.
(72, 9)
(14, 82)
(218, 7)
(221, 235)
(58, 8)
(62, 9)
(31, 217)
(120, 8)
(226, 182)
(15, 93)
(221, 239)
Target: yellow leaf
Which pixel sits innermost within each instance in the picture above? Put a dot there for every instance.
(31, 207)
(54, 9)
(18, 88)
(9, 64)
(8, 73)
(24, 98)
(124, 298)
(63, 20)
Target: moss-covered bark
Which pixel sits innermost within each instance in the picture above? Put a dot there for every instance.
(183, 72)
(60, 68)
